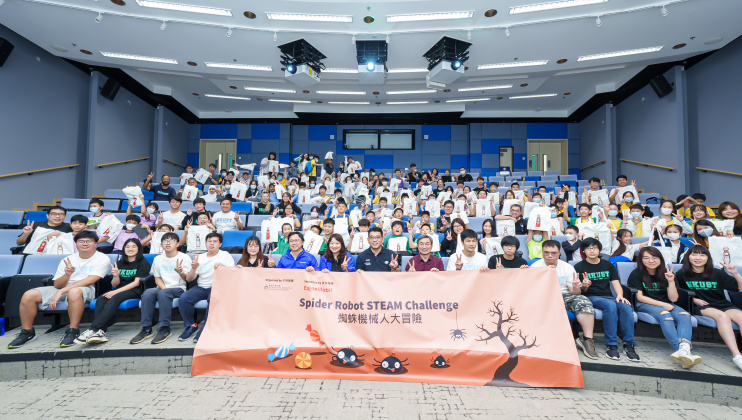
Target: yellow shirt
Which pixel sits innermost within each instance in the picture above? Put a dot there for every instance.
(615, 223)
(687, 213)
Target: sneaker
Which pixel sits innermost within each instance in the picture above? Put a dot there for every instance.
(25, 337)
(143, 335)
(188, 332)
(198, 335)
(628, 349)
(98, 337)
(83, 338)
(69, 337)
(588, 347)
(162, 335)
(611, 352)
(738, 361)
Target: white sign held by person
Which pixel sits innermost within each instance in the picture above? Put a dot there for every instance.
(599, 231)
(355, 216)
(494, 198)
(304, 197)
(312, 242)
(484, 208)
(272, 166)
(394, 184)
(492, 246)
(110, 226)
(505, 228)
(268, 231)
(433, 207)
(727, 250)
(38, 242)
(460, 215)
(359, 242)
(238, 191)
(61, 245)
(459, 206)
(189, 193)
(202, 175)
(196, 240)
(528, 207)
(599, 197)
(155, 245)
(397, 244)
(621, 191)
(410, 206)
(263, 182)
(540, 219)
(506, 204)
(426, 191)
(571, 198)
(443, 197)
(133, 195)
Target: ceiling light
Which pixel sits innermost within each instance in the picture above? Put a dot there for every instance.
(244, 98)
(417, 17)
(543, 95)
(410, 70)
(229, 32)
(619, 53)
(409, 92)
(346, 71)
(275, 90)
(552, 5)
(370, 66)
(598, 22)
(407, 103)
(139, 58)
(238, 66)
(275, 36)
(163, 26)
(340, 92)
(310, 18)
(292, 101)
(664, 11)
(349, 103)
(468, 100)
(469, 89)
(99, 18)
(185, 7)
(507, 31)
(512, 64)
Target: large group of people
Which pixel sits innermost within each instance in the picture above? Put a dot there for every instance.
(348, 220)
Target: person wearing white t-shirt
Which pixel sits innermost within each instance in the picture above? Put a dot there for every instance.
(226, 219)
(74, 283)
(468, 258)
(170, 270)
(574, 301)
(174, 217)
(202, 267)
(353, 166)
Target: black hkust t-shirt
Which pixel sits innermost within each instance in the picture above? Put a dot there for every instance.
(654, 290)
(130, 270)
(600, 274)
(711, 290)
(516, 262)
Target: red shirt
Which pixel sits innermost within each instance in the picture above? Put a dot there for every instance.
(420, 265)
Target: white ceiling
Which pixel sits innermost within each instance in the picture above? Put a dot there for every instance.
(549, 35)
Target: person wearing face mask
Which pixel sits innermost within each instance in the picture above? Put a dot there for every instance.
(672, 241)
(149, 213)
(96, 213)
(463, 176)
(627, 202)
(614, 223)
(127, 233)
(163, 190)
(702, 231)
(252, 192)
(666, 214)
(571, 245)
(534, 242)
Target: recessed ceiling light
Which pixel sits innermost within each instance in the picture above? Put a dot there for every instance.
(139, 58)
(490, 13)
(713, 40)
(192, 63)
(195, 94)
(59, 48)
(185, 7)
(437, 101)
(567, 93)
(469, 89)
(679, 46)
(305, 91)
(340, 92)
(512, 64)
(468, 100)
(233, 87)
(334, 70)
(561, 61)
(369, 19)
(620, 53)
(543, 95)
(410, 70)
(349, 103)
(119, 2)
(310, 18)
(523, 84)
(238, 66)
(249, 15)
(291, 101)
(244, 98)
(417, 17)
(86, 52)
(276, 90)
(407, 102)
(552, 5)
(410, 92)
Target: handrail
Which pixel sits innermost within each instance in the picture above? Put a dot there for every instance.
(39, 170)
(122, 162)
(174, 163)
(594, 164)
(718, 171)
(648, 164)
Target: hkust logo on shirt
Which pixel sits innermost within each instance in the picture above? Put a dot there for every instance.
(702, 285)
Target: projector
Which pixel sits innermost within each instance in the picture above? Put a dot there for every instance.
(377, 76)
(442, 74)
(302, 75)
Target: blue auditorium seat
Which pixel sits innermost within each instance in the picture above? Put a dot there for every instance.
(11, 218)
(75, 204)
(42, 264)
(7, 240)
(10, 265)
(111, 193)
(245, 207)
(35, 216)
(236, 237)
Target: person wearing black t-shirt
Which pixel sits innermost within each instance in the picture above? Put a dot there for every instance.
(656, 294)
(265, 206)
(508, 259)
(127, 274)
(252, 255)
(708, 283)
(55, 216)
(599, 275)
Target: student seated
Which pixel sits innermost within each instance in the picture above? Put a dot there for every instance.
(203, 220)
(336, 257)
(574, 301)
(508, 259)
(148, 216)
(468, 258)
(623, 247)
(163, 190)
(453, 243)
(282, 246)
(226, 219)
(192, 183)
(572, 243)
(173, 217)
(703, 230)
(672, 241)
(730, 211)
(297, 257)
(599, 276)
(169, 269)
(424, 260)
(55, 221)
(252, 255)
(74, 283)
(202, 267)
(398, 232)
(700, 200)
(534, 243)
(376, 257)
(127, 233)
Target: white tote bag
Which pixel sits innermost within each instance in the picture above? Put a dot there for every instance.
(110, 226)
(268, 231)
(238, 191)
(426, 191)
(459, 206)
(397, 244)
(410, 206)
(494, 198)
(263, 182)
(484, 208)
(272, 166)
(348, 189)
(727, 250)
(355, 216)
(505, 228)
(38, 242)
(304, 197)
(202, 175)
(540, 219)
(527, 207)
(359, 242)
(189, 193)
(444, 196)
(132, 194)
(60, 245)
(723, 225)
(555, 226)
(506, 204)
(599, 197)
(394, 184)
(599, 231)
(155, 245)
(492, 246)
(621, 191)
(312, 242)
(571, 198)
(520, 195)
(196, 240)
(279, 189)
(433, 207)
(460, 215)
(388, 197)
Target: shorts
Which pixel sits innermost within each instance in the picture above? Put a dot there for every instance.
(577, 304)
(48, 292)
(697, 309)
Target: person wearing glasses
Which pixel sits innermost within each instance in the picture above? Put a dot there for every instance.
(55, 216)
(297, 257)
(376, 257)
(73, 284)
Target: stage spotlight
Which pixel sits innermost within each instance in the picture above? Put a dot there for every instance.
(370, 66)
(291, 69)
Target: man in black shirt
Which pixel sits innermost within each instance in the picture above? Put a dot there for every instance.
(413, 175)
(55, 216)
(521, 225)
(376, 257)
(191, 217)
(463, 176)
(481, 186)
(444, 222)
(508, 259)
(599, 275)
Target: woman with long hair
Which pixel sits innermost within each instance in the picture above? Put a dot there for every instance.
(656, 295)
(703, 230)
(708, 283)
(336, 257)
(252, 255)
(731, 211)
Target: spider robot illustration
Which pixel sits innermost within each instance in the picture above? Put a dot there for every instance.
(391, 365)
(458, 333)
(440, 362)
(346, 357)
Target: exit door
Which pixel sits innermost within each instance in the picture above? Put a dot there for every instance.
(547, 155)
(219, 152)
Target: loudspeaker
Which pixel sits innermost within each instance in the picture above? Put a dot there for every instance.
(110, 89)
(660, 85)
(5, 48)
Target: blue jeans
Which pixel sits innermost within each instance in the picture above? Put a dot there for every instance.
(188, 300)
(615, 315)
(678, 316)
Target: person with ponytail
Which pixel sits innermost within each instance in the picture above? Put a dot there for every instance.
(622, 245)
